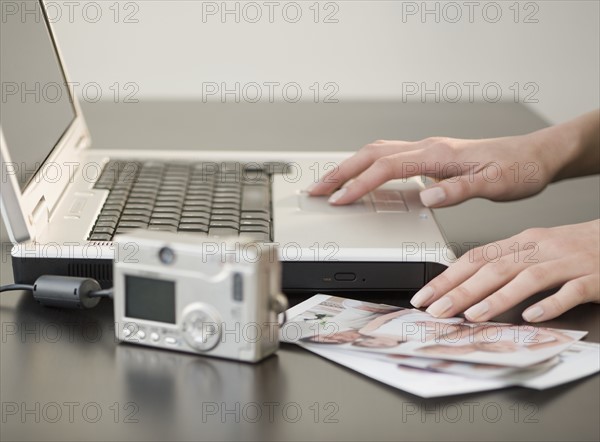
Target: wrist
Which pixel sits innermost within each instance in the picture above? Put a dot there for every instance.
(558, 149)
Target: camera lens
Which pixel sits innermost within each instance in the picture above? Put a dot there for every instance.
(166, 255)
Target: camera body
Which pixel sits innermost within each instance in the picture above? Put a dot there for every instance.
(212, 296)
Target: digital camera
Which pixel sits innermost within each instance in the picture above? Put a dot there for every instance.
(213, 296)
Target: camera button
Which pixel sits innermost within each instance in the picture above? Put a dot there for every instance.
(126, 332)
(154, 336)
(141, 334)
(170, 340)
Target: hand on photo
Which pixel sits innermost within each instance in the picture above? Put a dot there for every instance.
(489, 280)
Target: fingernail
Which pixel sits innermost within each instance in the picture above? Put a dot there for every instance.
(477, 310)
(439, 307)
(533, 313)
(312, 187)
(432, 196)
(337, 195)
(422, 296)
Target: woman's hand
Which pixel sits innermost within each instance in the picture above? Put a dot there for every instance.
(499, 169)
(491, 279)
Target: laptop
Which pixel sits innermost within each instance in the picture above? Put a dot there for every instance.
(63, 202)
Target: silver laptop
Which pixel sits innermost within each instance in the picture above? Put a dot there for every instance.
(63, 202)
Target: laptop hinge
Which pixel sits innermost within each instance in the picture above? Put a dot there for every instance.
(40, 217)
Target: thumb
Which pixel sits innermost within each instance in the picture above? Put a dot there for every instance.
(453, 191)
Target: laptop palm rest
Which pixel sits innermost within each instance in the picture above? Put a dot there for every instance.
(320, 204)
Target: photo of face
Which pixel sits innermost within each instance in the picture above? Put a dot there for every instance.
(343, 337)
(496, 347)
(380, 342)
(441, 349)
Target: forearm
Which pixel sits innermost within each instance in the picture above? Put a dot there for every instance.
(572, 149)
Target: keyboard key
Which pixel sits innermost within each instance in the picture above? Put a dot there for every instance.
(110, 212)
(174, 204)
(227, 224)
(116, 199)
(144, 200)
(136, 212)
(196, 214)
(164, 222)
(139, 206)
(167, 209)
(231, 218)
(163, 228)
(255, 198)
(106, 224)
(143, 193)
(132, 224)
(256, 236)
(122, 186)
(136, 218)
(233, 199)
(186, 220)
(254, 222)
(196, 207)
(165, 201)
(190, 199)
(222, 231)
(171, 193)
(100, 237)
(118, 193)
(228, 205)
(165, 215)
(256, 215)
(203, 185)
(107, 230)
(108, 218)
(160, 219)
(193, 228)
(230, 212)
(117, 207)
(260, 229)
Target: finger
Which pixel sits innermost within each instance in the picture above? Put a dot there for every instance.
(460, 188)
(354, 165)
(573, 293)
(533, 279)
(485, 281)
(466, 266)
(402, 165)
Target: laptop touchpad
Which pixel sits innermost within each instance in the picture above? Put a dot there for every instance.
(319, 204)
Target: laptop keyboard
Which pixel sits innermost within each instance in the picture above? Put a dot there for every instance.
(209, 199)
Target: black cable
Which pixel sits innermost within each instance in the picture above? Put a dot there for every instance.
(106, 293)
(9, 287)
(64, 291)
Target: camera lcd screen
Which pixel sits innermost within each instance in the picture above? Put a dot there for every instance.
(151, 299)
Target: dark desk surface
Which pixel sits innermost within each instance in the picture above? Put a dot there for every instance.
(63, 377)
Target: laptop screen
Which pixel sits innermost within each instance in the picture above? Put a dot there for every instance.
(36, 107)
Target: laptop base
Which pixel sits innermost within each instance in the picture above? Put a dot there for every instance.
(299, 278)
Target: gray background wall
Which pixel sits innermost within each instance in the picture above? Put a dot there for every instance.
(372, 49)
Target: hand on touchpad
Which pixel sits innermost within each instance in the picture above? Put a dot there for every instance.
(319, 204)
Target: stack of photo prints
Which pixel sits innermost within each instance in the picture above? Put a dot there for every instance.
(430, 357)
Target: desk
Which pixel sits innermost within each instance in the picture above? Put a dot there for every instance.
(65, 378)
